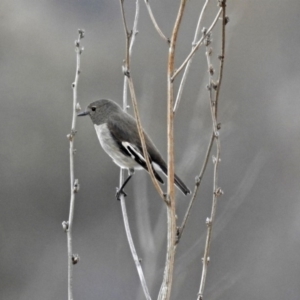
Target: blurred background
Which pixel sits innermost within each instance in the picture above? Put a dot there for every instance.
(255, 247)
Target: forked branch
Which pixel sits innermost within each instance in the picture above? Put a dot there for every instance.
(196, 46)
(187, 67)
(154, 22)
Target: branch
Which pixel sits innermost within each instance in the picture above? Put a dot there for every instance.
(200, 176)
(67, 226)
(126, 70)
(187, 67)
(225, 20)
(195, 47)
(127, 39)
(165, 290)
(196, 189)
(154, 22)
(134, 29)
(216, 160)
(122, 199)
(131, 243)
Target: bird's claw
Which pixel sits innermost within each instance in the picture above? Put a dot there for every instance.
(119, 193)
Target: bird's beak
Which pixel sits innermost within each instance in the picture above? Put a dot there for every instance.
(84, 113)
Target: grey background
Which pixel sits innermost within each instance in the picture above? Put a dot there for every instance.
(255, 248)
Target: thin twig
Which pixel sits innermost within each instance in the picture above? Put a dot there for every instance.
(127, 40)
(195, 47)
(216, 160)
(212, 86)
(165, 290)
(122, 199)
(200, 176)
(196, 189)
(134, 28)
(187, 67)
(131, 244)
(154, 21)
(126, 71)
(225, 20)
(67, 226)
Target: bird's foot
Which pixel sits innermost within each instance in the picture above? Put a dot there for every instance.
(119, 193)
(178, 235)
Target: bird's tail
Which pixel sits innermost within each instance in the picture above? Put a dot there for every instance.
(157, 176)
(178, 182)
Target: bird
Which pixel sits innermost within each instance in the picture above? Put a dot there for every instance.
(118, 135)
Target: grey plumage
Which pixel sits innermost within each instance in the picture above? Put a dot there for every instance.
(118, 136)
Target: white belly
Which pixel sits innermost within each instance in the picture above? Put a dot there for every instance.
(112, 149)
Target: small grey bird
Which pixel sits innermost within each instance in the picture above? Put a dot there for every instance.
(118, 135)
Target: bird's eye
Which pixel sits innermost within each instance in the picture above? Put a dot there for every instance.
(93, 108)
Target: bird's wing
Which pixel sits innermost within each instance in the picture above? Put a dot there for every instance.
(124, 131)
(135, 154)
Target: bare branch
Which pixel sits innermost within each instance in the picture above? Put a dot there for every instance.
(127, 40)
(122, 198)
(200, 176)
(67, 226)
(165, 290)
(134, 29)
(131, 244)
(134, 104)
(154, 21)
(225, 20)
(142, 137)
(187, 67)
(195, 47)
(216, 160)
(196, 189)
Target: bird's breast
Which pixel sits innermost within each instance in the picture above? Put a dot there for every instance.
(112, 148)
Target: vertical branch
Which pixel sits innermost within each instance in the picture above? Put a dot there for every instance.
(165, 290)
(131, 244)
(217, 191)
(187, 67)
(67, 226)
(225, 20)
(122, 199)
(126, 71)
(134, 29)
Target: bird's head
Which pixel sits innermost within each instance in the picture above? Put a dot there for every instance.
(100, 110)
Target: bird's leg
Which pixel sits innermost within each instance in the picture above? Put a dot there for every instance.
(120, 190)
